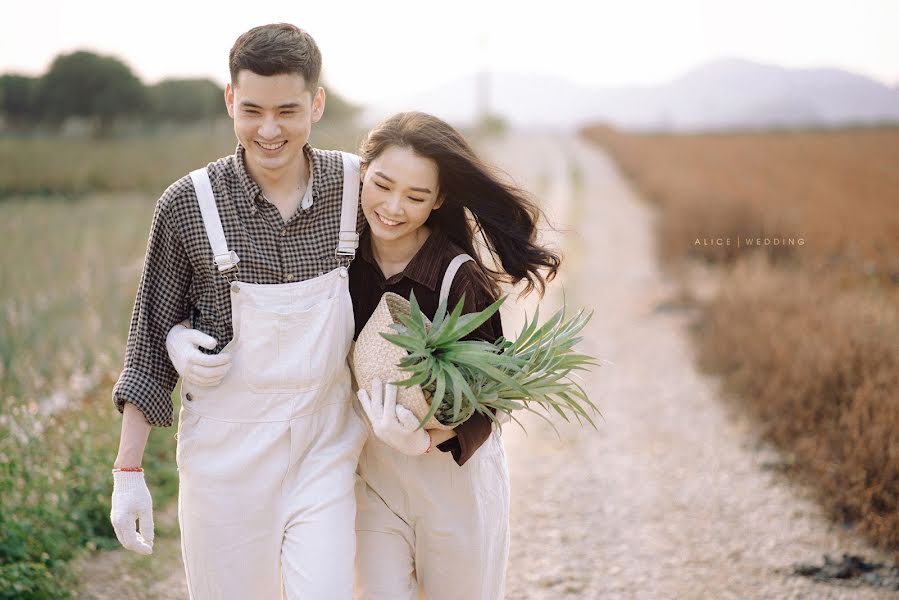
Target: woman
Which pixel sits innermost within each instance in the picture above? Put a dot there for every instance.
(435, 520)
(433, 505)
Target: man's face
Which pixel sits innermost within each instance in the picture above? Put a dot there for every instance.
(273, 117)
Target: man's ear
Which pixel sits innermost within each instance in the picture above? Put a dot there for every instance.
(229, 99)
(318, 105)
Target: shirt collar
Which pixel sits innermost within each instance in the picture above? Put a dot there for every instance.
(424, 268)
(253, 193)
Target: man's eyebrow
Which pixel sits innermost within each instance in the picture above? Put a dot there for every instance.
(414, 189)
(248, 104)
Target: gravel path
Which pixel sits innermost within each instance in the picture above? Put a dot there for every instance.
(670, 498)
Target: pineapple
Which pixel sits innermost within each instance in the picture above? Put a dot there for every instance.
(460, 377)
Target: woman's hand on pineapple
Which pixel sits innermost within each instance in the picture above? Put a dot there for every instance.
(394, 425)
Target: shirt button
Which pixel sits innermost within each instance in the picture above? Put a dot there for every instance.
(343, 272)
(234, 287)
(290, 277)
(283, 232)
(189, 397)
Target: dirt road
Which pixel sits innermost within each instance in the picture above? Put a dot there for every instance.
(670, 498)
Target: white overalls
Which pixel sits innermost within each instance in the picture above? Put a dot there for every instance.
(266, 459)
(425, 523)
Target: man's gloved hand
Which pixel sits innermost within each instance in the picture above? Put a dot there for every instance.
(394, 425)
(131, 502)
(195, 366)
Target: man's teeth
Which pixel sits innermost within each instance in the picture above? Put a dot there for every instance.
(387, 221)
(271, 146)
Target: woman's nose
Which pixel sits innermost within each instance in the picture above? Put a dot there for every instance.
(393, 204)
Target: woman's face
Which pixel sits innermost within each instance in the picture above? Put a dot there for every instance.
(399, 191)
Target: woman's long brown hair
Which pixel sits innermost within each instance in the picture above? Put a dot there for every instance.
(505, 215)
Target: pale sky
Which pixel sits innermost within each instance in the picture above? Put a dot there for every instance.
(386, 49)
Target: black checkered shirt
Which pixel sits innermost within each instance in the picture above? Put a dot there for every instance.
(180, 281)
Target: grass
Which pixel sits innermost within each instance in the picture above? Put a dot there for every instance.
(71, 167)
(68, 274)
(835, 190)
(805, 336)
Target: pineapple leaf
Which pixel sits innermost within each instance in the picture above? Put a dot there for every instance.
(446, 333)
(470, 322)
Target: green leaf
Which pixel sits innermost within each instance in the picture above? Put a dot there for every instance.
(472, 321)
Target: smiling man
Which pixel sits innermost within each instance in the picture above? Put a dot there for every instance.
(253, 251)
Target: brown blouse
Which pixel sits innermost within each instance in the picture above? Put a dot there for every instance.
(423, 274)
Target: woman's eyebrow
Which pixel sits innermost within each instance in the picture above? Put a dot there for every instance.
(414, 189)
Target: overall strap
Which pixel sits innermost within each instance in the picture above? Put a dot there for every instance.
(450, 274)
(348, 239)
(225, 259)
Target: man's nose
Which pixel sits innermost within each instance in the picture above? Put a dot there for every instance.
(269, 129)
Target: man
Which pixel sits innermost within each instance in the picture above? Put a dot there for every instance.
(253, 252)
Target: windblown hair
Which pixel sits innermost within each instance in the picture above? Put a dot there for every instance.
(277, 49)
(503, 214)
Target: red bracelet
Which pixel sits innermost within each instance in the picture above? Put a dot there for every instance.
(129, 470)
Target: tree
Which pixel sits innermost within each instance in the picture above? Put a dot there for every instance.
(185, 100)
(84, 84)
(17, 99)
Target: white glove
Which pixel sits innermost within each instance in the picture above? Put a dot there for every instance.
(131, 502)
(394, 425)
(195, 366)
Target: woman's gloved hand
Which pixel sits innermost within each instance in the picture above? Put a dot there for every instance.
(131, 502)
(394, 425)
(193, 365)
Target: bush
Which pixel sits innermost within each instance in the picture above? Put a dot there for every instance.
(55, 482)
(818, 366)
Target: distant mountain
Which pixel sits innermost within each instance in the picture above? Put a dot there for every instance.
(722, 94)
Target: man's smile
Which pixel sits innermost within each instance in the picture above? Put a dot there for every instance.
(271, 147)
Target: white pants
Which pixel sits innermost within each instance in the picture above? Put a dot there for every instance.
(426, 524)
(267, 458)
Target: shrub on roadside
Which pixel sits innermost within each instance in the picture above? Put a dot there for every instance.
(818, 365)
(55, 485)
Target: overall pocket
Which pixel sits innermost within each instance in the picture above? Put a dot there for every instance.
(290, 351)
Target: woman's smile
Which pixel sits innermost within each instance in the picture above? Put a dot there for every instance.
(387, 222)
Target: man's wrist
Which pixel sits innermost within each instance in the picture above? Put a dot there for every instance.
(121, 464)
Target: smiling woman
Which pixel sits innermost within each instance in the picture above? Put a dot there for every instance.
(429, 201)
(398, 194)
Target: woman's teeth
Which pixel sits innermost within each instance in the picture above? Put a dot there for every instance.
(271, 146)
(387, 221)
